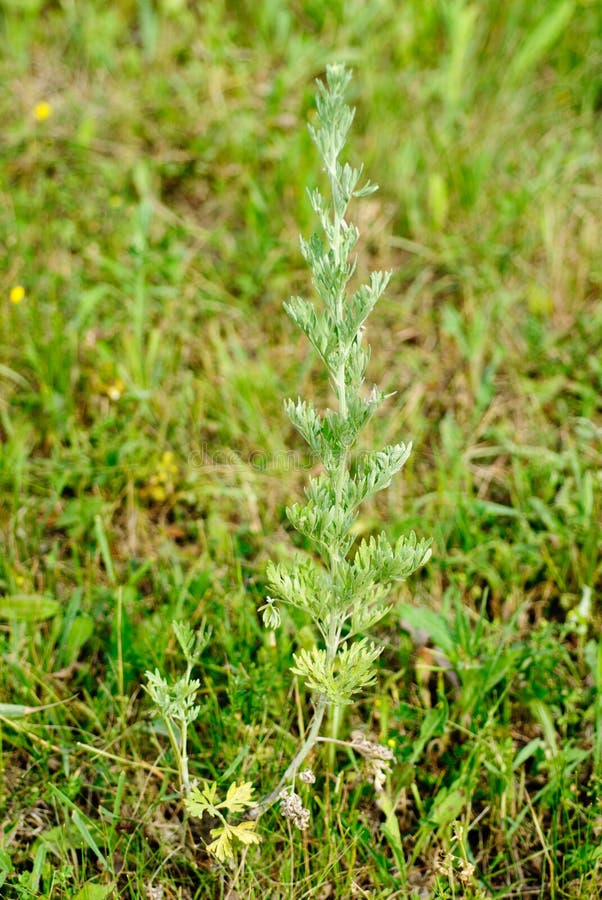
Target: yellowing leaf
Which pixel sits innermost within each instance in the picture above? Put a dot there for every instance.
(203, 800)
(222, 846)
(210, 791)
(245, 832)
(238, 796)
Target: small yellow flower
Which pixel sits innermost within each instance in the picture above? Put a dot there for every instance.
(161, 483)
(156, 491)
(17, 293)
(391, 743)
(42, 111)
(167, 464)
(115, 389)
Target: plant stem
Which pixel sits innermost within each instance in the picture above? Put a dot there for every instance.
(175, 746)
(308, 744)
(180, 752)
(335, 229)
(184, 758)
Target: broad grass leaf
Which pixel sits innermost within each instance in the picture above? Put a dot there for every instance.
(28, 607)
(433, 725)
(81, 823)
(92, 891)
(15, 710)
(541, 39)
(6, 866)
(447, 806)
(81, 630)
(431, 622)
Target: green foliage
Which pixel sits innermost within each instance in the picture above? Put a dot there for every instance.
(343, 597)
(144, 467)
(340, 591)
(175, 700)
(338, 679)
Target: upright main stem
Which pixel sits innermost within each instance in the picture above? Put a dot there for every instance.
(307, 745)
(334, 631)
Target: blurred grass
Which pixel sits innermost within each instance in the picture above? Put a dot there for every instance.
(152, 219)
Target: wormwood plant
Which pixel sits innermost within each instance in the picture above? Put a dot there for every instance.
(175, 702)
(345, 590)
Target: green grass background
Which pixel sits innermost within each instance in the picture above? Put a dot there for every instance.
(146, 462)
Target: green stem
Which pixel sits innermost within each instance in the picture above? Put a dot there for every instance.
(335, 624)
(307, 745)
(184, 749)
(179, 749)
